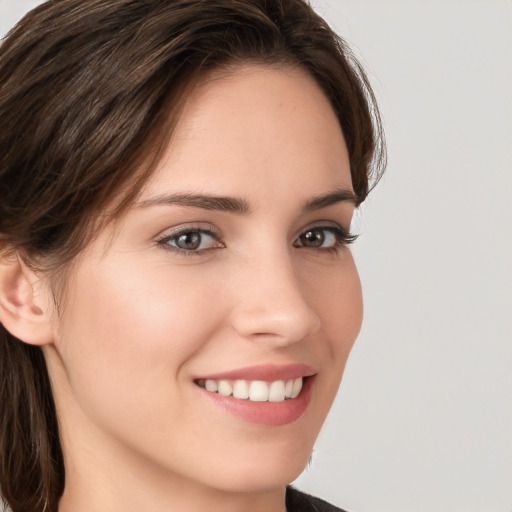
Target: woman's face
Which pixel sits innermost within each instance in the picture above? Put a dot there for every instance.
(231, 272)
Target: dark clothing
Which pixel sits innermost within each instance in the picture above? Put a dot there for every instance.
(297, 501)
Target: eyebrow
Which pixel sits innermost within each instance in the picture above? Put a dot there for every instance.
(336, 196)
(206, 202)
(241, 206)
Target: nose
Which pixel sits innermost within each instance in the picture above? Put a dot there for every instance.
(271, 304)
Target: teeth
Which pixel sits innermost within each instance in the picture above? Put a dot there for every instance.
(256, 390)
(288, 388)
(241, 389)
(276, 391)
(297, 386)
(211, 385)
(225, 388)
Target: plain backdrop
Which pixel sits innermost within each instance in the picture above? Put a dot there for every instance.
(423, 420)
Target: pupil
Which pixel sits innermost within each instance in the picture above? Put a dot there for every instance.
(190, 240)
(313, 238)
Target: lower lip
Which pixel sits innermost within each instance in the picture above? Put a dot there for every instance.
(272, 414)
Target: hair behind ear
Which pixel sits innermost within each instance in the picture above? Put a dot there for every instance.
(31, 464)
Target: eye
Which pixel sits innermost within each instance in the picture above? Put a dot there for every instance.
(317, 237)
(324, 237)
(190, 240)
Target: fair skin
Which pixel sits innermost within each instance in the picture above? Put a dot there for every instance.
(263, 281)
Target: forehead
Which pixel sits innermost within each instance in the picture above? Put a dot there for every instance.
(252, 124)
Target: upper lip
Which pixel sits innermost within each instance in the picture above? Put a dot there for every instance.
(268, 373)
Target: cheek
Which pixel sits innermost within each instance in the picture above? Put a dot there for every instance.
(344, 312)
(337, 299)
(128, 332)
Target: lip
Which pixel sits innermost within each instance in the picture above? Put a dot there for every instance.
(270, 414)
(267, 373)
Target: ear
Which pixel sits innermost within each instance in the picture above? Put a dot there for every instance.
(24, 306)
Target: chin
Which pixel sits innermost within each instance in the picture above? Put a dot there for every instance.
(264, 466)
(274, 475)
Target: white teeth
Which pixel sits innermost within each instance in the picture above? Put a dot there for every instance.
(288, 388)
(276, 392)
(211, 385)
(255, 391)
(258, 391)
(225, 388)
(241, 389)
(297, 386)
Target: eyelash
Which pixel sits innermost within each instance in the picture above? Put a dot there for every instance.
(342, 239)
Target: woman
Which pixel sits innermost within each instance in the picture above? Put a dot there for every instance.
(176, 293)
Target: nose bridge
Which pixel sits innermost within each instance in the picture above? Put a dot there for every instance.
(271, 300)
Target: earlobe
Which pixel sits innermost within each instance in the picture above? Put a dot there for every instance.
(24, 308)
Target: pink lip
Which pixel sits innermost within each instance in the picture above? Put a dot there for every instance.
(270, 414)
(267, 373)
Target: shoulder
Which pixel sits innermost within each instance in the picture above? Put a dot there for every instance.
(297, 501)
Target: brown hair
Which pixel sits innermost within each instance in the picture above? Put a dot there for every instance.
(87, 91)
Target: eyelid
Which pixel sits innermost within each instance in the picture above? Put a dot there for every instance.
(185, 227)
(326, 224)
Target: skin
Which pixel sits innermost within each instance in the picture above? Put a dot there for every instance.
(141, 321)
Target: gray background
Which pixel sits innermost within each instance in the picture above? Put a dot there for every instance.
(423, 421)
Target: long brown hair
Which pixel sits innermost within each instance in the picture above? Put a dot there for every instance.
(87, 91)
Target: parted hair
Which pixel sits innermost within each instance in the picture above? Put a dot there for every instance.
(90, 92)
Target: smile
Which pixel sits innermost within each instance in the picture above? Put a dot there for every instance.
(255, 390)
(267, 395)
